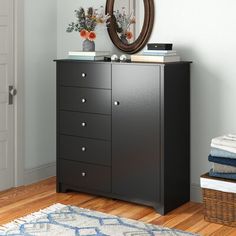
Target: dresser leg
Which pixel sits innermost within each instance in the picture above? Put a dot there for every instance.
(159, 209)
(61, 188)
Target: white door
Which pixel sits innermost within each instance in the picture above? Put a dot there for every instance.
(6, 110)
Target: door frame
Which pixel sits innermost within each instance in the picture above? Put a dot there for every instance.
(19, 124)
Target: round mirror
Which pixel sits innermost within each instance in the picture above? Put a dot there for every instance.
(131, 23)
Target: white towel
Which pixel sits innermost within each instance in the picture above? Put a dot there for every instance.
(226, 140)
(225, 148)
(230, 137)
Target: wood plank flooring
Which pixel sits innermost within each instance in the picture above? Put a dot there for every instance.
(18, 202)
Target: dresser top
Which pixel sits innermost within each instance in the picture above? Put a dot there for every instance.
(129, 62)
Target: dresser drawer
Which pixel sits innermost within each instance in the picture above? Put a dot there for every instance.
(85, 150)
(84, 74)
(85, 100)
(85, 176)
(85, 125)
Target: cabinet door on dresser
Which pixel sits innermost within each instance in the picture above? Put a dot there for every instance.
(136, 131)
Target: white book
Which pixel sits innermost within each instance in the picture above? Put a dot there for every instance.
(86, 58)
(159, 54)
(160, 51)
(89, 54)
(147, 58)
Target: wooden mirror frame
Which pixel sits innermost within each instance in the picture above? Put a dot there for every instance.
(143, 37)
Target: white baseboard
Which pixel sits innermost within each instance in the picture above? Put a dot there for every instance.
(39, 173)
(195, 193)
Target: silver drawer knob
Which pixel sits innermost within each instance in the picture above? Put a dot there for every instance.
(83, 149)
(116, 103)
(83, 124)
(83, 174)
(83, 100)
(83, 75)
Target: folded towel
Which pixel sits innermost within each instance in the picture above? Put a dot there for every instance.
(222, 160)
(222, 175)
(222, 153)
(223, 168)
(224, 148)
(230, 137)
(225, 141)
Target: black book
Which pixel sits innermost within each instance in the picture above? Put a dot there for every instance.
(159, 46)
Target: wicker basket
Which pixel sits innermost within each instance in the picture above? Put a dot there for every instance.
(219, 207)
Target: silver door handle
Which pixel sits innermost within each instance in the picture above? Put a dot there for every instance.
(12, 93)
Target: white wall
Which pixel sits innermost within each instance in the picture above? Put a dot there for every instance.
(202, 31)
(72, 41)
(40, 50)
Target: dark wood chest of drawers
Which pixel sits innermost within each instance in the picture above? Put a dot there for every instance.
(123, 131)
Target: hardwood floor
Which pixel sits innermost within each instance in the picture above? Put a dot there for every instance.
(18, 202)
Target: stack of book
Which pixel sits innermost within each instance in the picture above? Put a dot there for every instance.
(88, 56)
(157, 53)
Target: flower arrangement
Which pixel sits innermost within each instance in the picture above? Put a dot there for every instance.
(86, 22)
(123, 23)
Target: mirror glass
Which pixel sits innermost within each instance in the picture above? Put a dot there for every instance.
(129, 16)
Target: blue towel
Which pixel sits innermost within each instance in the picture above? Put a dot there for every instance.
(222, 160)
(222, 175)
(222, 153)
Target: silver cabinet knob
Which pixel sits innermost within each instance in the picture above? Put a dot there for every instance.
(83, 75)
(83, 124)
(83, 100)
(83, 149)
(116, 103)
(83, 174)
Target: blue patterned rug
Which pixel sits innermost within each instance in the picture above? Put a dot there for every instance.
(65, 220)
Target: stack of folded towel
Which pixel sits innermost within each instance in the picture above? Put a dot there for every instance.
(223, 157)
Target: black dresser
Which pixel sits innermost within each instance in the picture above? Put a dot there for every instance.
(123, 131)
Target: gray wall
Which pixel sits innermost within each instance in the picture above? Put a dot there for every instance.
(40, 50)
